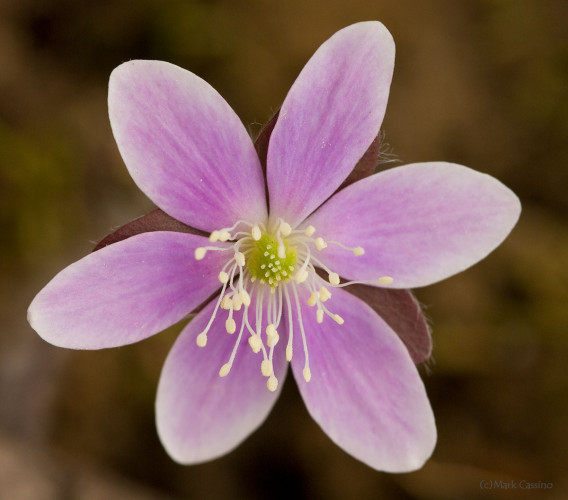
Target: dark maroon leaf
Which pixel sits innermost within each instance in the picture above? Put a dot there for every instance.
(366, 165)
(401, 310)
(156, 220)
(262, 140)
(261, 146)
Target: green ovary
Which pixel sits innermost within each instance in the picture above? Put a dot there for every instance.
(265, 265)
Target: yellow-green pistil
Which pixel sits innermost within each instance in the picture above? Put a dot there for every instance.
(266, 265)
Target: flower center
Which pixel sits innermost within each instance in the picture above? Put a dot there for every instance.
(270, 266)
(266, 264)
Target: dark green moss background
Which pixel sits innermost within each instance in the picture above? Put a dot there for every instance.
(478, 82)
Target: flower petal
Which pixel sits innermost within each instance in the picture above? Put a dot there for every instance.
(125, 292)
(201, 416)
(329, 118)
(401, 311)
(184, 146)
(365, 391)
(418, 223)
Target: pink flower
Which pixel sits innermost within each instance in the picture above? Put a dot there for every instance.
(401, 228)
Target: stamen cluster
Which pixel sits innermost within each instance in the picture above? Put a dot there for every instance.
(263, 270)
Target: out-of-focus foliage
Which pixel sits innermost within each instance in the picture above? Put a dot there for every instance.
(478, 82)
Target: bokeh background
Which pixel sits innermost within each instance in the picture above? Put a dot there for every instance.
(478, 82)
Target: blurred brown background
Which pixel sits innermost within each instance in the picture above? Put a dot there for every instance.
(478, 82)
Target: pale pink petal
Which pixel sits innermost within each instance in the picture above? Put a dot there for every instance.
(184, 146)
(418, 224)
(365, 391)
(200, 415)
(329, 118)
(125, 292)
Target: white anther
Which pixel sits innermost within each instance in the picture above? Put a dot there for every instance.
(266, 368)
(200, 253)
(240, 258)
(256, 234)
(227, 302)
(223, 277)
(334, 278)
(230, 325)
(214, 236)
(301, 276)
(307, 374)
(272, 383)
(385, 280)
(338, 319)
(224, 236)
(201, 339)
(319, 315)
(237, 302)
(313, 299)
(271, 330)
(285, 229)
(255, 343)
(225, 369)
(320, 243)
(289, 352)
(245, 297)
(324, 294)
(357, 251)
(282, 251)
(273, 340)
(310, 230)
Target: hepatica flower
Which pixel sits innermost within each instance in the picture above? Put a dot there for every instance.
(286, 263)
